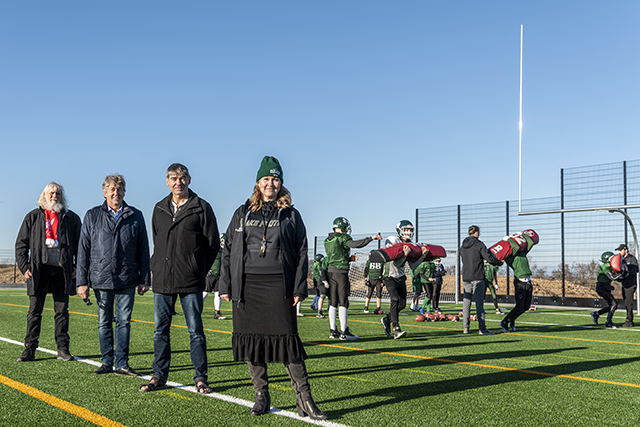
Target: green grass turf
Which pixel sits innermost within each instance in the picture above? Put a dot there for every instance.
(555, 370)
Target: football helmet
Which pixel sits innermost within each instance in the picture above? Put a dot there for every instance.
(319, 257)
(405, 229)
(343, 224)
(606, 256)
(222, 237)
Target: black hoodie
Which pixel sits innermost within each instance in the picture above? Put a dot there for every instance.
(473, 253)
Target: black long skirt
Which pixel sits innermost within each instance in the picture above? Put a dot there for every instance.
(265, 327)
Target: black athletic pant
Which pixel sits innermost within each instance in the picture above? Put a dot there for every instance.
(524, 294)
(604, 290)
(376, 285)
(397, 289)
(339, 288)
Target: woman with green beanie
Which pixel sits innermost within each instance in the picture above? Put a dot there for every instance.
(264, 272)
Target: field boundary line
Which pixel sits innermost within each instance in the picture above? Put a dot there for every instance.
(193, 389)
(481, 365)
(69, 407)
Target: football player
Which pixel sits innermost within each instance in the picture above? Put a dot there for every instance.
(395, 280)
(338, 247)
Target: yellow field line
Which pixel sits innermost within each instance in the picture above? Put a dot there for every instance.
(616, 354)
(573, 357)
(355, 379)
(133, 320)
(422, 372)
(530, 361)
(456, 361)
(480, 365)
(78, 411)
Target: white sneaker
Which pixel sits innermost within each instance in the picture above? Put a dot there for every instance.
(300, 315)
(366, 311)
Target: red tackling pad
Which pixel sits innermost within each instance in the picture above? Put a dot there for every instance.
(503, 249)
(617, 264)
(395, 251)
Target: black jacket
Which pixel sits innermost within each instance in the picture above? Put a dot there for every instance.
(473, 253)
(113, 255)
(632, 265)
(293, 251)
(185, 247)
(31, 251)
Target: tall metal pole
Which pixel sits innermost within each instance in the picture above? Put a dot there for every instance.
(417, 228)
(507, 233)
(635, 241)
(520, 126)
(458, 272)
(562, 260)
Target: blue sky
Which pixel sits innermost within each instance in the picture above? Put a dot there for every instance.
(374, 108)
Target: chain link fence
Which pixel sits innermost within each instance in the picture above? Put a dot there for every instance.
(566, 260)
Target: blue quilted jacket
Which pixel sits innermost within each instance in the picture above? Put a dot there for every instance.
(113, 254)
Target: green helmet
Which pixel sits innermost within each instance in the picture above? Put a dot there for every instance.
(605, 257)
(222, 237)
(405, 229)
(343, 224)
(319, 257)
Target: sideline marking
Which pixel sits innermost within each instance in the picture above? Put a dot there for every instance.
(422, 372)
(69, 407)
(481, 365)
(192, 389)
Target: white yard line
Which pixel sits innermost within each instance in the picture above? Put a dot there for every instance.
(193, 389)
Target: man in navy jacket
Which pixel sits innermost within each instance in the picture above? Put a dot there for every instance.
(113, 258)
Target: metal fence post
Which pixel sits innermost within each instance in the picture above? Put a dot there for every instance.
(562, 260)
(459, 273)
(507, 231)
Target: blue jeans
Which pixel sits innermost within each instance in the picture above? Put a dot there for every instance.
(477, 289)
(123, 299)
(163, 312)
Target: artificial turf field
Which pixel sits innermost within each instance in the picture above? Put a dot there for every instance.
(556, 369)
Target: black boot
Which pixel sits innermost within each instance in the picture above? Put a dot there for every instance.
(262, 405)
(307, 407)
(29, 353)
(63, 352)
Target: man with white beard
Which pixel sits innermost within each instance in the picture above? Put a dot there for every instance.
(46, 249)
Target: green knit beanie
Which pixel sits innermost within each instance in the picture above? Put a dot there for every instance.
(270, 166)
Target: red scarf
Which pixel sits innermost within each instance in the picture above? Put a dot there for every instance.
(51, 221)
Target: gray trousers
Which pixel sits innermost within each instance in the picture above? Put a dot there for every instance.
(477, 289)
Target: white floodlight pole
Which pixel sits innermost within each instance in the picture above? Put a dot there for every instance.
(520, 126)
(635, 241)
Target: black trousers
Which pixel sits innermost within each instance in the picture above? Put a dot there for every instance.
(604, 290)
(339, 288)
(435, 301)
(524, 295)
(627, 295)
(376, 285)
(297, 374)
(51, 281)
(397, 289)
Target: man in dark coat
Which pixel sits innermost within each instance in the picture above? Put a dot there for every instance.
(113, 259)
(46, 248)
(473, 253)
(186, 242)
(629, 283)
